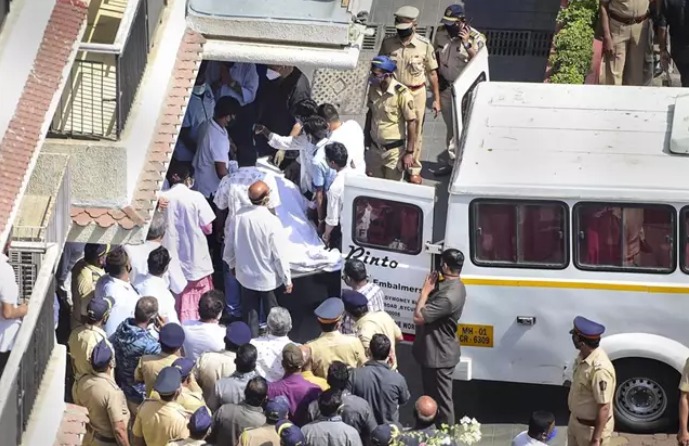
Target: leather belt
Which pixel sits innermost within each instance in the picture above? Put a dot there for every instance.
(391, 145)
(590, 423)
(415, 87)
(629, 20)
(103, 438)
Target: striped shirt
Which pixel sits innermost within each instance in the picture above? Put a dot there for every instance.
(376, 302)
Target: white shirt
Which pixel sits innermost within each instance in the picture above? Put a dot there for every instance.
(336, 196)
(213, 147)
(138, 257)
(199, 110)
(233, 194)
(306, 152)
(202, 337)
(523, 439)
(269, 361)
(125, 297)
(187, 212)
(9, 294)
(352, 136)
(148, 285)
(259, 244)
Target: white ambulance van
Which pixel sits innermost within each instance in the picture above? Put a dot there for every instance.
(568, 200)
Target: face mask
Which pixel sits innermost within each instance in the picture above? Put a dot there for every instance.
(452, 30)
(272, 74)
(404, 33)
(551, 435)
(199, 90)
(375, 80)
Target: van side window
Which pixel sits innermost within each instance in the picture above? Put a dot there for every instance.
(467, 96)
(636, 238)
(387, 225)
(509, 233)
(684, 239)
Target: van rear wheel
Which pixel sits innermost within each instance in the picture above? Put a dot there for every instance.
(646, 396)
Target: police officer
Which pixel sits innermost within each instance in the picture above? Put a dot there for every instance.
(384, 435)
(105, 401)
(83, 339)
(290, 435)
(416, 61)
(625, 28)
(332, 345)
(456, 44)
(593, 385)
(199, 426)
(391, 123)
(683, 432)
(171, 340)
(276, 410)
(191, 396)
(159, 422)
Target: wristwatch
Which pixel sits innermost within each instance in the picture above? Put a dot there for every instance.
(467, 45)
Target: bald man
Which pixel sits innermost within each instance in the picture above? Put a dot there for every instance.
(259, 243)
(307, 370)
(425, 413)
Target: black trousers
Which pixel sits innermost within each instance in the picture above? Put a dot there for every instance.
(437, 383)
(4, 356)
(680, 56)
(251, 301)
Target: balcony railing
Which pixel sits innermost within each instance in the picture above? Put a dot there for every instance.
(104, 79)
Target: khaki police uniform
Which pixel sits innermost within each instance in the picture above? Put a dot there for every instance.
(149, 367)
(390, 111)
(106, 404)
(260, 436)
(335, 346)
(84, 278)
(159, 422)
(452, 58)
(629, 28)
(375, 322)
(414, 61)
(190, 398)
(684, 380)
(80, 343)
(213, 366)
(593, 383)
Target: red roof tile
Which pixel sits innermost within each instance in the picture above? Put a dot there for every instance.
(20, 142)
(152, 175)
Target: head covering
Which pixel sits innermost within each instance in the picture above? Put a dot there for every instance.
(290, 435)
(185, 365)
(171, 336)
(330, 311)
(353, 299)
(98, 307)
(168, 381)
(200, 421)
(587, 328)
(383, 434)
(384, 63)
(238, 333)
(406, 12)
(453, 14)
(95, 250)
(101, 355)
(277, 409)
(292, 357)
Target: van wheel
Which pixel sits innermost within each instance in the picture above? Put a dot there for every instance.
(646, 397)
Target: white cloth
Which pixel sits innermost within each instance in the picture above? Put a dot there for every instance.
(9, 294)
(213, 147)
(336, 196)
(352, 136)
(125, 297)
(199, 110)
(149, 285)
(269, 361)
(202, 337)
(187, 212)
(523, 439)
(138, 258)
(233, 194)
(259, 243)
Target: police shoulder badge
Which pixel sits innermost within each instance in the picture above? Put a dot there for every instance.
(602, 385)
(448, 12)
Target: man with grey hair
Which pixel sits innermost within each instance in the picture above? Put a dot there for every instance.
(138, 255)
(270, 346)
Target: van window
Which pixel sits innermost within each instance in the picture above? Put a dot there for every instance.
(467, 96)
(509, 233)
(684, 237)
(387, 225)
(637, 238)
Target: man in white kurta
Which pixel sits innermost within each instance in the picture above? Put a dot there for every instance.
(153, 284)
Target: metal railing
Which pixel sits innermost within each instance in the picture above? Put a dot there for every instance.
(104, 79)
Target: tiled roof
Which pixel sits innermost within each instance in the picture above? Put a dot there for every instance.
(73, 426)
(152, 175)
(20, 144)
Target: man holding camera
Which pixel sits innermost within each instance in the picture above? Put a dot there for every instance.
(456, 43)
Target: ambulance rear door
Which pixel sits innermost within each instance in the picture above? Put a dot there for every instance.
(387, 225)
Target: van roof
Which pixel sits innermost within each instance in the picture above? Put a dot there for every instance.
(580, 142)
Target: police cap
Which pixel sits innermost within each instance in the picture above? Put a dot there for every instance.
(330, 311)
(238, 333)
(453, 14)
(406, 12)
(168, 381)
(384, 434)
(171, 336)
(587, 328)
(200, 421)
(290, 435)
(353, 299)
(185, 365)
(277, 409)
(101, 355)
(99, 307)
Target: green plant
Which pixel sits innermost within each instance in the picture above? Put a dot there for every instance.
(571, 58)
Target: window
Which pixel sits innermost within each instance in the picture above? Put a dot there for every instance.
(519, 234)
(467, 96)
(684, 237)
(388, 225)
(625, 237)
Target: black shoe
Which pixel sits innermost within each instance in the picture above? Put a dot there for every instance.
(443, 171)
